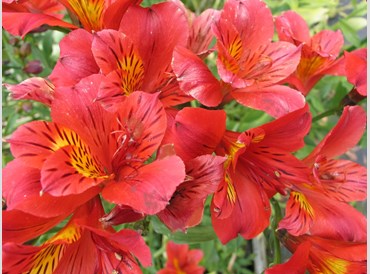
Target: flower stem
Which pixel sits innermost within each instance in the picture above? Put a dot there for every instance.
(274, 224)
(327, 113)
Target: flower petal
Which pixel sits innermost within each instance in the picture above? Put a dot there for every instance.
(149, 188)
(155, 26)
(343, 136)
(21, 191)
(193, 133)
(76, 60)
(21, 23)
(71, 170)
(141, 125)
(20, 227)
(187, 204)
(297, 264)
(195, 78)
(250, 216)
(356, 69)
(343, 180)
(291, 27)
(35, 88)
(275, 100)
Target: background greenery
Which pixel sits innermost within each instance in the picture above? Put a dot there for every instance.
(239, 254)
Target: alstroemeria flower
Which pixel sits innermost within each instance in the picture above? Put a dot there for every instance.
(259, 164)
(129, 64)
(21, 18)
(180, 259)
(82, 246)
(321, 208)
(86, 146)
(326, 256)
(248, 62)
(319, 52)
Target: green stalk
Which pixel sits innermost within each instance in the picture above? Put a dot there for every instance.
(327, 113)
(274, 224)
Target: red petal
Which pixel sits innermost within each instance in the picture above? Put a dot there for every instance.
(22, 191)
(114, 12)
(121, 214)
(35, 88)
(291, 27)
(343, 180)
(193, 133)
(128, 241)
(343, 136)
(71, 170)
(155, 26)
(187, 204)
(288, 131)
(339, 221)
(299, 215)
(21, 23)
(76, 60)
(149, 188)
(356, 69)
(275, 100)
(195, 78)
(141, 124)
(201, 34)
(33, 142)
(94, 126)
(327, 43)
(297, 264)
(19, 227)
(79, 257)
(250, 216)
(247, 17)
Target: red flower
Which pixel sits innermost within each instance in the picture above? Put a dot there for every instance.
(181, 260)
(325, 256)
(129, 64)
(82, 246)
(101, 148)
(320, 208)
(259, 164)
(319, 52)
(249, 65)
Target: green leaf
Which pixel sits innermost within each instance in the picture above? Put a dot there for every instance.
(198, 234)
(349, 32)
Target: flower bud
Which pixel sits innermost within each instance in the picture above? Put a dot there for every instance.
(33, 67)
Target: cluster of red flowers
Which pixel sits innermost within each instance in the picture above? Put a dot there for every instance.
(119, 131)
